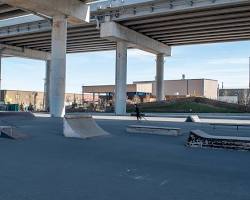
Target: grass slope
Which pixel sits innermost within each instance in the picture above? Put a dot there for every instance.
(181, 107)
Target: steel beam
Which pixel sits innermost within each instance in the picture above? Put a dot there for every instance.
(198, 24)
(211, 40)
(188, 15)
(143, 8)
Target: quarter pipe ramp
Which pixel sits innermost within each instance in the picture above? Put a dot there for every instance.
(11, 133)
(81, 126)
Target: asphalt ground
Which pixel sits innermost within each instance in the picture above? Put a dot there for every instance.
(122, 166)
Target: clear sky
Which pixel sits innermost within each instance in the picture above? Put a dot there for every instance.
(225, 62)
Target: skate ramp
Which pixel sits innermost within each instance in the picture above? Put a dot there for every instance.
(11, 133)
(198, 138)
(81, 126)
(24, 115)
(193, 118)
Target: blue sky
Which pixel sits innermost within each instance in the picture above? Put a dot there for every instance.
(225, 62)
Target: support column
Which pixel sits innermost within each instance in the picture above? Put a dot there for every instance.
(121, 78)
(58, 66)
(0, 77)
(47, 85)
(93, 98)
(160, 94)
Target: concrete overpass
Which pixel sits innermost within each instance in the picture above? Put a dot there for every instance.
(150, 25)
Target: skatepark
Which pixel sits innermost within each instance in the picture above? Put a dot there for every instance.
(106, 156)
(123, 165)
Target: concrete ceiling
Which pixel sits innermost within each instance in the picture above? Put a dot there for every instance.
(220, 23)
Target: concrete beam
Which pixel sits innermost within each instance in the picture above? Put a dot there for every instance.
(76, 10)
(8, 50)
(116, 32)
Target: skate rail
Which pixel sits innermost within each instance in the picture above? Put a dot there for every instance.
(228, 124)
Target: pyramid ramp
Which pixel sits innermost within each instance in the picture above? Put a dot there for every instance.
(198, 138)
(11, 133)
(81, 126)
(193, 118)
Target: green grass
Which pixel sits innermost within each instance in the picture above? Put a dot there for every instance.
(185, 107)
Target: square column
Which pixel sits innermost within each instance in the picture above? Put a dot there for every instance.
(58, 66)
(47, 85)
(121, 78)
(160, 94)
(0, 77)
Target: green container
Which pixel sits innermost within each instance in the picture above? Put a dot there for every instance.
(13, 107)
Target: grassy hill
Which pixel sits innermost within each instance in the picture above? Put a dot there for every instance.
(192, 104)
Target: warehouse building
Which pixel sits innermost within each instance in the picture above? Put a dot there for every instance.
(173, 88)
(236, 95)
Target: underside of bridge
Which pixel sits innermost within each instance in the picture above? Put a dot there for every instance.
(161, 23)
(218, 23)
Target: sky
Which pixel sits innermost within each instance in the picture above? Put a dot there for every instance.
(225, 62)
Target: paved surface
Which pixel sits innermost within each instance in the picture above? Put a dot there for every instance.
(120, 167)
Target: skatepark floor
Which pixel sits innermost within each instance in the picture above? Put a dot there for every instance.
(119, 167)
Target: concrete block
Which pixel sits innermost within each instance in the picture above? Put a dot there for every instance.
(155, 130)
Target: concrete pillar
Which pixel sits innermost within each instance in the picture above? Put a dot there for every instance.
(160, 94)
(121, 78)
(47, 85)
(93, 98)
(58, 66)
(0, 77)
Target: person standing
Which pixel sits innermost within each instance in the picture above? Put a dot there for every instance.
(137, 112)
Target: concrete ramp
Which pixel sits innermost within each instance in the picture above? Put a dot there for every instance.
(11, 133)
(198, 138)
(193, 118)
(81, 126)
(25, 115)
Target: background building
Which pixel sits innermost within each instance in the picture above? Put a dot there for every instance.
(184, 87)
(240, 95)
(188, 87)
(35, 98)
